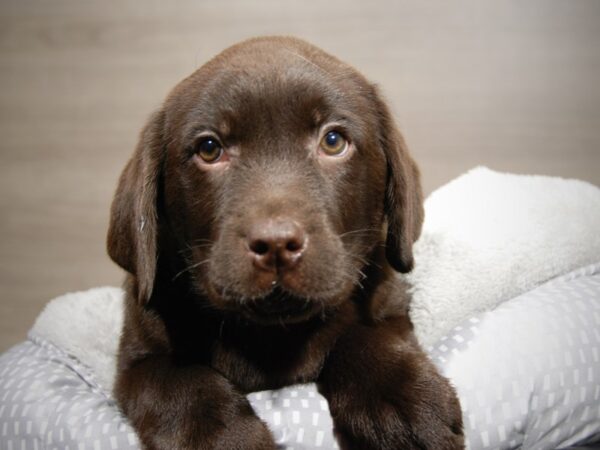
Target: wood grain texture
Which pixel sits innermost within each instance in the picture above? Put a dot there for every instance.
(511, 85)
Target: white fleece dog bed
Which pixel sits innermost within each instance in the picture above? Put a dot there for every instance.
(490, 236)
(528, 372)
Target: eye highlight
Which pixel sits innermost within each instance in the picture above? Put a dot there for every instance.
(333, 143)
(209, 149)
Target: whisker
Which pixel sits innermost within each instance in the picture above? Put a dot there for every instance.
(194, 247)
(361, 259)
(364, 231)
(208, 241)
(187, 269)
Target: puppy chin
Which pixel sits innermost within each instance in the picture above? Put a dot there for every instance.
(274, 305)
(280, 307)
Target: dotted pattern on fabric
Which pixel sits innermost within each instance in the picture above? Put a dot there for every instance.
(528, 375)
(298, 416)
(49, 401)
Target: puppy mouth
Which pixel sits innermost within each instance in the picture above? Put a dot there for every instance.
(280, 306)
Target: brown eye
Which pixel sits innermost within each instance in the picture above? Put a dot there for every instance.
(333, 144)
(209, 149)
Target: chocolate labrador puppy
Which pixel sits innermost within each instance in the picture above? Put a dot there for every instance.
(262, 220)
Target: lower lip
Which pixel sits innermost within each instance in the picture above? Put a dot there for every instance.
(283, 315)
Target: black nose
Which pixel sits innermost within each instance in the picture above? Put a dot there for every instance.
(276, 244)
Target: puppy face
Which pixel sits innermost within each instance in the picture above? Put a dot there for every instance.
(276, 171)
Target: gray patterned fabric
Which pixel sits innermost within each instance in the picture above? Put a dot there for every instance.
(298, 416)
(528, 375)
(51, 401)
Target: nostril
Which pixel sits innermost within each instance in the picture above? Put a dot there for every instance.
(293, 246)
(259, 247)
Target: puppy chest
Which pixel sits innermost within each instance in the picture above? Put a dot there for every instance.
(266, 363)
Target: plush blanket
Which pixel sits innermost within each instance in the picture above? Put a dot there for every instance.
(526, 374)
(487, 237)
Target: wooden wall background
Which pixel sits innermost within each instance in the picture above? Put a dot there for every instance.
(509, 84)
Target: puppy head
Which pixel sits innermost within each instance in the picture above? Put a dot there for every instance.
(276, 171)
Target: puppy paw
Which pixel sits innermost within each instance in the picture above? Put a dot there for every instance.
(390, 397)
(382, 424)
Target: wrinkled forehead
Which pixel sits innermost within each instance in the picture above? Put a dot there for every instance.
(248, 93)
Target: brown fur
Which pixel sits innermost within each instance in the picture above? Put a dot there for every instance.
(276, 265)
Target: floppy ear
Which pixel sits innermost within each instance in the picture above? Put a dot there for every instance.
(132, 233)
(403, 198)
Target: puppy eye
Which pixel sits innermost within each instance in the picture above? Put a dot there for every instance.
(333, 143)
(209, 149)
